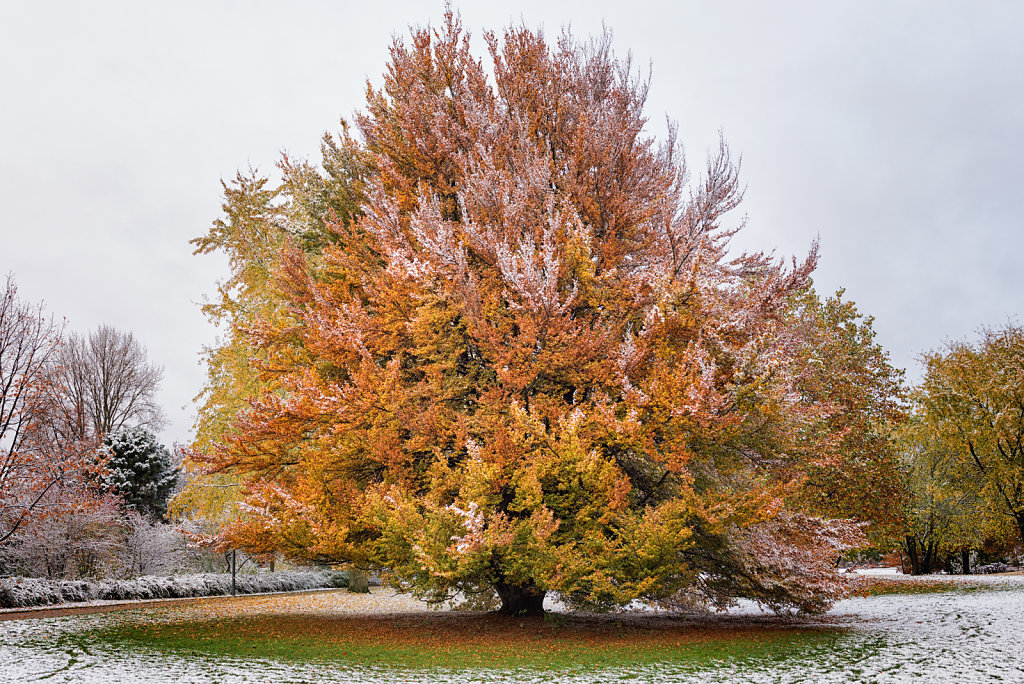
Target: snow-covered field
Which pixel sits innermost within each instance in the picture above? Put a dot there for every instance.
(956, 636)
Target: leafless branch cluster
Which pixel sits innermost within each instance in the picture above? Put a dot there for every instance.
(106, 384)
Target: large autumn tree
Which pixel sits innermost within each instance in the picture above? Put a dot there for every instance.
(527, 362)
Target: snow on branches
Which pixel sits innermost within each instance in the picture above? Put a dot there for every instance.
(531, 362)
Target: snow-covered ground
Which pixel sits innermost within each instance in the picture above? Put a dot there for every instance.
(955, 636)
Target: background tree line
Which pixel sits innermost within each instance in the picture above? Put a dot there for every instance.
(964, 456)
(84, 483)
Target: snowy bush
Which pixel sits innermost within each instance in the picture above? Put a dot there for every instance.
(17, 592)
(67, 541)
(993, 568)
(29, 591)
(101, 542)
(150, 548)
(75, 591)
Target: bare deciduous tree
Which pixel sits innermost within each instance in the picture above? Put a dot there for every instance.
(29, 339)
(107, 384)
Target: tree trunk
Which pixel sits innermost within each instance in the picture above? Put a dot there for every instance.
(358, 581)
(915, 562)
(520, 601)
(931, 557)
(965, 561)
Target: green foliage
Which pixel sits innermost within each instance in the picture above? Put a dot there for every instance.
(945, 510)
(855, 467)
(963, 452)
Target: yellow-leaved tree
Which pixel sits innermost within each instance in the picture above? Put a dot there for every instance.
(971, 407)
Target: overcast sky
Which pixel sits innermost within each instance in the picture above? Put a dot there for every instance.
(892, 130)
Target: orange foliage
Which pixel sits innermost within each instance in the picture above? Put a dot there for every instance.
(44, 469)
(531, 364)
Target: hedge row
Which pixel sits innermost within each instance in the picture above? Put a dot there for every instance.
(19, 592)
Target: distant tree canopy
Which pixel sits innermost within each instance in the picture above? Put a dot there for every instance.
(139, 471)
(499, 346)
(946, 513)
(971, 410)
(62, 506)
(854, 470)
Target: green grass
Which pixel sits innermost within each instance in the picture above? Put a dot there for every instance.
(460, 642)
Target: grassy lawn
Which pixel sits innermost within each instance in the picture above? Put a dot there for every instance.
(957, 632)
(467, 640)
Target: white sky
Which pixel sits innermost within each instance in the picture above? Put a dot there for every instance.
(892, 130)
